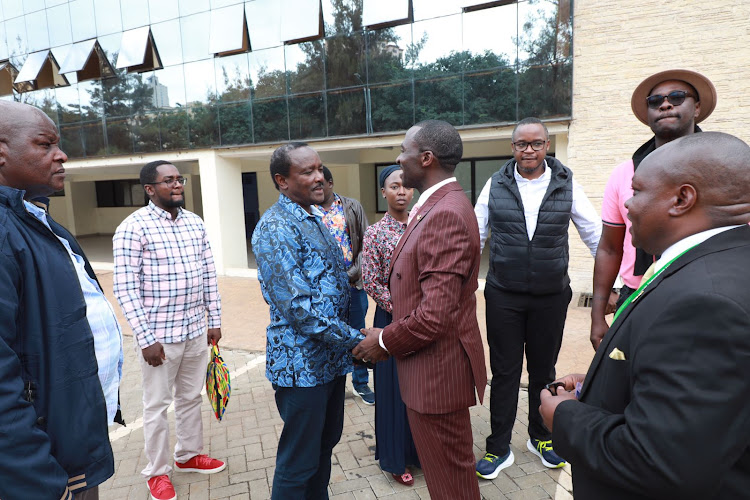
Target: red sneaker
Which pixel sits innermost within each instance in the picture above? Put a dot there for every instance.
(161, 488)
(201, 463)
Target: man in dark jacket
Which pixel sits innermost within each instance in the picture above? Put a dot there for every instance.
(663, 412)
(528, 206)
(346, 220)
(53, 408)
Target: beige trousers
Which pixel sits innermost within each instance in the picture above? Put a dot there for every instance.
(181, 378)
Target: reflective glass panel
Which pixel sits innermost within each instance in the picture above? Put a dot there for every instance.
(188, 7)
(439, 99)
(133, 47)
(491, 31)
(162, 10)
(4, 53)
(108, 18)
(227, 29)
(545, 91)
(270, 122)
(306, 116)
(392, 106)
(435, 54)
(173, 126)
(70, 140)
(204, 125)
(32, 66)
(52, 3)
(173, 80)
(304, 66)
(92, 134)
(301, 20)
(235, 123)
(134, 14)
(346, 112)
(387, 50)
(215, 4)
(489, 95)
(202, 82)
(341, 17)
(168, 42)
(15, 31)
(33, 5)
(345, 60)
(264, 23)
(144, 129)
(195, 37)
(12, 8)
(36, 30)
(145, 93)
(463, 176)
(60, 27)
(68, 104)
(119, 140)
(483, 170)
(232, 78)
(427, 9)
(543, 36)
(267, 75)
(82, 19)
(77, 56)
(376, 12)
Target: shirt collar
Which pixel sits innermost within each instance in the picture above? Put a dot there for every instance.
(429, 191)
(686, 243)
(296, 209)
(160, 212)
(519, 178)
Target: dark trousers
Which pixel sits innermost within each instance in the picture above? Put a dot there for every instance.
(357, 312)
(516, 321)
(313, 419)
(446, 451)
(90, 494)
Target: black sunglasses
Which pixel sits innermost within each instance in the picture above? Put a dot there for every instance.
(675, 98)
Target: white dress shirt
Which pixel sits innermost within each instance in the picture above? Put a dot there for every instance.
(583, 214)
(687, 243)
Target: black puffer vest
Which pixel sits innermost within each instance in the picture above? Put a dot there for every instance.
(539, 266)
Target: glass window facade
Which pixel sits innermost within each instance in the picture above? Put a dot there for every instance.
(469, 67)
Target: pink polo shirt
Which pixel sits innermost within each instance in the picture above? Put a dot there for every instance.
(619, 189)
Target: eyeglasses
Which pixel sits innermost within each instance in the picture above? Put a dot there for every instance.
(675, 98)
(522, 145)
(171, 181)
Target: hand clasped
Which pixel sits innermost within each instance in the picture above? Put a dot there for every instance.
(369, 349)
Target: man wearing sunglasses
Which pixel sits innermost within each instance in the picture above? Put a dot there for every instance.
(165, 282)
(671, 103)
(527, 207)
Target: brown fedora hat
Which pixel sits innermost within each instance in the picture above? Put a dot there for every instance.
(704, 87)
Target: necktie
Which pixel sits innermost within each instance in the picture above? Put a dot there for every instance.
(649, 272)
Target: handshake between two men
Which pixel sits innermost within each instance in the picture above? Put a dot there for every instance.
(369, 350)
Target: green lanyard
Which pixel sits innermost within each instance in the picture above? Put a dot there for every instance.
(634, 296)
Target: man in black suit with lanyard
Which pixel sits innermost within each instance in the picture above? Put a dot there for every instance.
(663, 411)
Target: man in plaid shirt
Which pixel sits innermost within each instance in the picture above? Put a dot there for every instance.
(165, 282)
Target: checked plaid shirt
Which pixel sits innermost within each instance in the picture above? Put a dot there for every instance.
(165, 279)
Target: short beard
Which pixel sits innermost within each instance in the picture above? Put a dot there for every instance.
(174, 203)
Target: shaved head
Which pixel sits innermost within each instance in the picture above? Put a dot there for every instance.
(30, 156)
(692, 184)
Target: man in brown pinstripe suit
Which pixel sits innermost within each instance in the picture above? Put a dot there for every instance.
(434, 335)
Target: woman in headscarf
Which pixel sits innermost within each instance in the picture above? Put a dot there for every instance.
(394, 444)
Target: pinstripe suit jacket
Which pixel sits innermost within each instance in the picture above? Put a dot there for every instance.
(434, 335)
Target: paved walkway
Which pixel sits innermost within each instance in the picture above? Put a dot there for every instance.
(248, 435)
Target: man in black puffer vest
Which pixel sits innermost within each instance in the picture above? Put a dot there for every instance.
(527, 206)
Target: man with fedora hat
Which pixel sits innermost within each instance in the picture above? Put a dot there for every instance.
(671, 103)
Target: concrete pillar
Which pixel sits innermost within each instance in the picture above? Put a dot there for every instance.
(561, 147)
(223, 213)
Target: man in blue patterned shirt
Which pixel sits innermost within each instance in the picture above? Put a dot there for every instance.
(308, 349)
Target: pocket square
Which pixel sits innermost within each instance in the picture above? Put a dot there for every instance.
(617, 354)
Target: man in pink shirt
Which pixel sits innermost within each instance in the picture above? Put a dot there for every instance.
(671, 103)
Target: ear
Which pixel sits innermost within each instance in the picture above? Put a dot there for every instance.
(382, 191)
(149, 190)
(697, 110)
(281, 181)
(684, 200)
(3, 153)
(427, 158)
